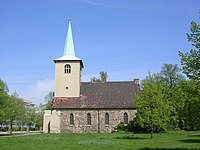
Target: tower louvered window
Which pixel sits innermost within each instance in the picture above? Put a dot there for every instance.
(67, 69)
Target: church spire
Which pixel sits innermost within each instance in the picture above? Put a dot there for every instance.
(69, 44)
(69, 52)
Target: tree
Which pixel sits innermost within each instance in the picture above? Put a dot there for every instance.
(39, 117)
(29, 118)
(190, 104)
(95, 79)
(15, 110)
(191, 60)
(3, 98)
(170, 75)
(12, 109)
(103, 77)
(153, 109)
(39, 120)
(40, 108)
(189, 90)
(49, 99)
(172, 95)
(3, 87)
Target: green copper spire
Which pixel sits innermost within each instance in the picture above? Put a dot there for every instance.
(69, 53)
(69, 44)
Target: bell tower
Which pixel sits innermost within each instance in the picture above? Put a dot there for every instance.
(68, 70)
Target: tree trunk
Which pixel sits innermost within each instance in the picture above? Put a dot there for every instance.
(151, 132)
(191, 123)
(11, 123)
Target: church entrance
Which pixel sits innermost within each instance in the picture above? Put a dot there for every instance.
(49, 127)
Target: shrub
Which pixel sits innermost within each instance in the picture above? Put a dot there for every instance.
(121, 127)
(133, 126)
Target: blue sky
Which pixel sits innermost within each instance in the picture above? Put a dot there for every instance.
(126, 38)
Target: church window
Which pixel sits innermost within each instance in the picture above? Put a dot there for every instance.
(71, 119)
(106, 119)
(125, 118)
(88, 119)
(67, 69)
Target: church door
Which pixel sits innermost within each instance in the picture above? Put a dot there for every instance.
(49, 127)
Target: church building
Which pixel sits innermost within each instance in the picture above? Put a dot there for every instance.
(87, 107)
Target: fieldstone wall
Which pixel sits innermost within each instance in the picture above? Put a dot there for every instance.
(97, 120)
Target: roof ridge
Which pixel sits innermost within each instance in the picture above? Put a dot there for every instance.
(108, 82)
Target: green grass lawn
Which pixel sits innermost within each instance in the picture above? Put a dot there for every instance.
(177, 140)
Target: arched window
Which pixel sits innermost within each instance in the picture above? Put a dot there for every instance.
(125, 118)
(88, 119)
(67, 69)
(106, 119)
(71, 121)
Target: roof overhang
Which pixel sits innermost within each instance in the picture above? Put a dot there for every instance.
(69, 59)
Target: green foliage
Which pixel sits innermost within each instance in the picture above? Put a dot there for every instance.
(189, 91)
(190, 104)
(153, 109)
(48, 99)
(178, 100)
(95, 79)
(103, 77)
(12, 110)
(173, 97)
(191, 60)
(134, 126)
(194, 36)
(121, 127)
(11, 107)
(170, 75)
(191, 64)
(3, 87)
(15, 109)
(3, 98)
(29, 117)
(39, 120)
(3, 101)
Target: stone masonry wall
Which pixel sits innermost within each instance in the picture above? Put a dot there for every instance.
(97, 120)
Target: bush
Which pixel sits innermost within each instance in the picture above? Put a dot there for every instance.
(5, 129)
(121, 127)
(133, 126)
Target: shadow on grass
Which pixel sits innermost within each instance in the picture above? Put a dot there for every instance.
(129, 137)
(146, 148)
(195, 135)
(191, 141)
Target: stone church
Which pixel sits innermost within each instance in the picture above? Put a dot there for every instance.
(87, 107)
